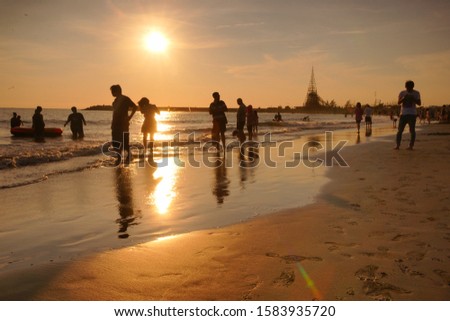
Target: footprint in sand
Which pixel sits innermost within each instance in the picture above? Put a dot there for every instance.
(405, 269)
(372, 285)
(292, 258)
(355, 206)
(298, 258)
(337, 246)
(401, 237)
(444, 275)
(253, 282)
(382, 252)
(338, 229)
(333, 246)
(210, 249)
(286, 278)
(415, 255)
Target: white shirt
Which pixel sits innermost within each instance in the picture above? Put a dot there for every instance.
(409, 103)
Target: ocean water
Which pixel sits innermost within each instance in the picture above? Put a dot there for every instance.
(62, 199)
(24, 161)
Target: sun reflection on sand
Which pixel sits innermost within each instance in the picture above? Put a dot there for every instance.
(164, 192)
(166, 238)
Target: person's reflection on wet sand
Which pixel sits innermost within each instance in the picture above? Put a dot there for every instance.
(248, 161)
(221, 183)
(124, 193)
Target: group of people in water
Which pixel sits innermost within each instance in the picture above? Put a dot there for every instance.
(75, 119)
(121, 122)
(16, 120)
(246, 116)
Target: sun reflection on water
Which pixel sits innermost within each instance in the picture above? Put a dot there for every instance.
(164, 192)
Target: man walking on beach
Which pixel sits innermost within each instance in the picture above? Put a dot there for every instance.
(121, 121)
(408, 99)
(217, 109)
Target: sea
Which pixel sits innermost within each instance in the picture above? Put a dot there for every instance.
(19, 156)
(64, 198)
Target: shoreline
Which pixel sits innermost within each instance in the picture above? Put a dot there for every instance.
(68, 215)
(386, 243)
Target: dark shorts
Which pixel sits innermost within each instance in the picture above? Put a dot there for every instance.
(368, 119)
(219, 126)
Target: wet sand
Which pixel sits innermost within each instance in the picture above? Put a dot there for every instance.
(379, 230)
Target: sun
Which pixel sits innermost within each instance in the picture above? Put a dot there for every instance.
(156, 42)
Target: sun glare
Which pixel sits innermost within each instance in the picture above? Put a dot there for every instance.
(156, 42)
(165, 192)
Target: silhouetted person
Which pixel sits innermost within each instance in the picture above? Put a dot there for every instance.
(76, 121)
(240, 120)
(217, 109)
(15, 120)
(278, 117)
(408, 99)
(124, 193)
(19, 121)
(393, 118)
(38, 124)
(149, 127)
(121, 122)
(255, 125)
(444, 114)
(358, 115)
(251, 121)
(221, 183)
(368, 118)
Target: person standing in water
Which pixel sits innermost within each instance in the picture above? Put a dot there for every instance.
(240, 120)
(251, 121)
(408, 99)
(38, 124)
(76, 121)
(149, 127)
(217, 109)
(15, 120)
(121, 122)
(358, 115)
(368, 111)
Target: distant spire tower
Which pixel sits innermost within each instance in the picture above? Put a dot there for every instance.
(313, 99)
(312, 88)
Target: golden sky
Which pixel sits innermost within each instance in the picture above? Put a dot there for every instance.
(58, 53)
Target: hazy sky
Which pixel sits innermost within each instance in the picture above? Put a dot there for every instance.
(59, 53)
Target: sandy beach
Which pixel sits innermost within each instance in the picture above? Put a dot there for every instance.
(379, 230)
